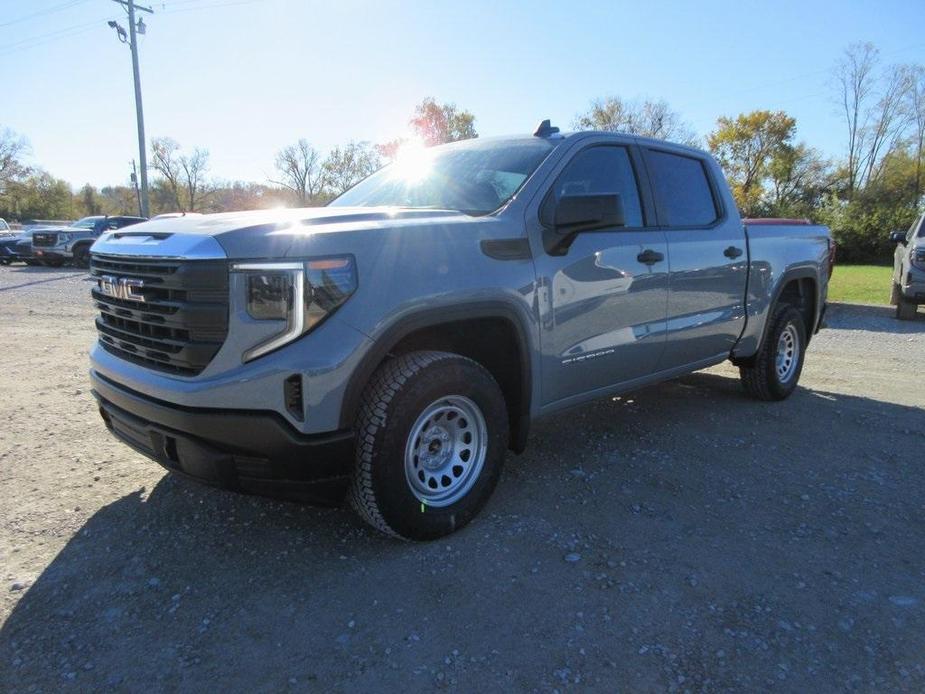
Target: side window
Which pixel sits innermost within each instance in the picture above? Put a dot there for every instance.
(605, 169)
(683, 189)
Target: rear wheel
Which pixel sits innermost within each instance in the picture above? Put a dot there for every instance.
(775, 371)
(431, 437)
(905, 309)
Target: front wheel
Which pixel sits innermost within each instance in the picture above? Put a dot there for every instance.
(82, 256)
(905, 309)
(431, 438)
(776, 368)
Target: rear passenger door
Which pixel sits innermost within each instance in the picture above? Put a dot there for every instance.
(708, 259)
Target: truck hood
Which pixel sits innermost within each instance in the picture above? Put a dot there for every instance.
(262, 233)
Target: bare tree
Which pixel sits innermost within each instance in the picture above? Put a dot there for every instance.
(301, 171)
(164, 155)
(348, 165)
(649, 119)
(13, 148)
(874, 105)
(889, 120)
(183, 174)
(854, 77)
(194, 170)
(916, 110)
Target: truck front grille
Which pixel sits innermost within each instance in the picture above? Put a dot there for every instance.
(44, 240)
(182, 320)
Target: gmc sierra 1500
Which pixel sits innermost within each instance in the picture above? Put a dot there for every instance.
(395, 343)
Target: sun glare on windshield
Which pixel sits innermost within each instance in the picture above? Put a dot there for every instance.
(413, 163)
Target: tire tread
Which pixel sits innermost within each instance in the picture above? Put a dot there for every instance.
(386, 383)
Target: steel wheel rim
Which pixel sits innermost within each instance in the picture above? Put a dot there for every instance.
(788, 345)
(446, 450)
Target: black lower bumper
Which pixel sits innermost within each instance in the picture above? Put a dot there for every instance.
(252, 452)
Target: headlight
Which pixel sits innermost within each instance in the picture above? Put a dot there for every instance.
(918, 258)
(300, 293)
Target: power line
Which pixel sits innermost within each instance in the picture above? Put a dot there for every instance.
(39, 39)
(42, 13)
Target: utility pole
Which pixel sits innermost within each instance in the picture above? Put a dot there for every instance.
(141, 212)
(132, 41)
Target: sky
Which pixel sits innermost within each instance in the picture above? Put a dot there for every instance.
(243, 78)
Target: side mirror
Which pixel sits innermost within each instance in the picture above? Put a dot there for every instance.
(576, 213)
(898, 237)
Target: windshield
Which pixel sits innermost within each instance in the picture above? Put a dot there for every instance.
(472, 177)
(85, 223)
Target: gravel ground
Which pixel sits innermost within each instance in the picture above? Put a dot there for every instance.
(681, 538)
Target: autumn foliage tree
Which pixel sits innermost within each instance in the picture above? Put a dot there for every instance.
(746, 146)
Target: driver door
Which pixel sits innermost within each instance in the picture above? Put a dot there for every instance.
(602, 301)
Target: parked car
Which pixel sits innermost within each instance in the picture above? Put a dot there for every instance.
(394, 344)
(17, 248)
(909, 270)
(56, 245)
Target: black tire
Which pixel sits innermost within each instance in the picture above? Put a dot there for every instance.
(895, 295)
(761, 378)
(905, 309)
(82, 256)
(397, 396)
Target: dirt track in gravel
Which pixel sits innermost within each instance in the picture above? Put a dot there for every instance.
(723, 543)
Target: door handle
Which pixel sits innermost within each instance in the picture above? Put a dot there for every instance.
(732, 252)
(650, 257)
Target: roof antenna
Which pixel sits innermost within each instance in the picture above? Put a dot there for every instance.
(545, 129)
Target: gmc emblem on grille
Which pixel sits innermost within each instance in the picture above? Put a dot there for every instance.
(124, 288)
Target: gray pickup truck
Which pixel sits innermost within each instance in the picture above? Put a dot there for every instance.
(909, 269)
(55, 246)
(396, 343)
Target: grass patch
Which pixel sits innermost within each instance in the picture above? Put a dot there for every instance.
(861, 284)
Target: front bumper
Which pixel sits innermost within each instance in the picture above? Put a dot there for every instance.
(252, 452)
(50, 253)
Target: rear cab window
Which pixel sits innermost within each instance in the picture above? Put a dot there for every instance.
(682, 188)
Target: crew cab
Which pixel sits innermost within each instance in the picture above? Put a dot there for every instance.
(56, 245)
(396, 343)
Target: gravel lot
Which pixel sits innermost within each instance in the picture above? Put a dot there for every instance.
(681, 538)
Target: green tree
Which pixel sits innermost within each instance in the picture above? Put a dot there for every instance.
(798, 179)
(745, 146)
(649, 119)
(39, 196)
(349, 164)
(861, 225)
(88, 201)
(437, 124)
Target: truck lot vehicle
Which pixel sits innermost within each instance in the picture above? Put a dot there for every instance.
(394, 344)
(56, 245)
(909, 270)
(17, 247)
